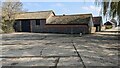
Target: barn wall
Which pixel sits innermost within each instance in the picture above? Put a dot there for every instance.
(43, 27)
(98, 23)
(38, 28)
(33, 25)
(66, 29)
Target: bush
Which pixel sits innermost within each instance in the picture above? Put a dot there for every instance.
(108, 26)
(7, 29)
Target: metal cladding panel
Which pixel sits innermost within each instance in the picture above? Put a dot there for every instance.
(38, 28)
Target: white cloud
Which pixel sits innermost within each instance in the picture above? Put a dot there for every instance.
(58, 5)
(92, 8)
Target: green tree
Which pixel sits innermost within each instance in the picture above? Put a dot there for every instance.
(9, 10)
(110, 8)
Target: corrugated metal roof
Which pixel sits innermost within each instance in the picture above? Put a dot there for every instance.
(59, 19)
(70, 19)
(34, 15)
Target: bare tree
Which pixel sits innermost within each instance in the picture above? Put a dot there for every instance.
(9, 11)
(110, 8)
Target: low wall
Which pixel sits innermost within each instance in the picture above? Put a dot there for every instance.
(70, 29)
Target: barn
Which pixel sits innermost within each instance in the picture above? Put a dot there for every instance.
(48, 22)
(80, 23)
(97, 21)
(32, 21)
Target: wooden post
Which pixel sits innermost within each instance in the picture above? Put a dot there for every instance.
(30, 25)
(20, 27)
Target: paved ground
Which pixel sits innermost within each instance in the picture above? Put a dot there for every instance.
(55, 50)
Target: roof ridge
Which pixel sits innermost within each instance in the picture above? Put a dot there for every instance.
(38, 11)
(73, 15)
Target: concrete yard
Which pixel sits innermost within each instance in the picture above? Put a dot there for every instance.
(59, 50)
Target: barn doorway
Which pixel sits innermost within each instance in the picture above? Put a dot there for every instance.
(25, 26)
(97, 28)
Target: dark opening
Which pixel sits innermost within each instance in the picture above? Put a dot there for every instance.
(97, 28)
(25, 25)
(37, 22)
